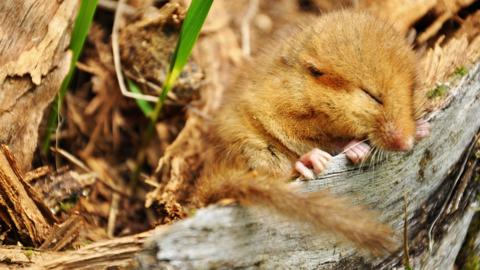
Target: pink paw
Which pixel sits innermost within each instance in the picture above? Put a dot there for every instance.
(316, 159)
(423, 129)
(357, 151)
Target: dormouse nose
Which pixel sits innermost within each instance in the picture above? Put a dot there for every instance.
(400, 142)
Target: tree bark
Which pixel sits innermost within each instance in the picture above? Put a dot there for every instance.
(34, 35)
(440, 199)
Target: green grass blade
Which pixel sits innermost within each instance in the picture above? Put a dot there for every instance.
(196, 15)
(79, 33)
(143, 104)
(81, 27)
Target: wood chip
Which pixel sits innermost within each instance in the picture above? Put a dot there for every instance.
(63, 234)
(24, 207)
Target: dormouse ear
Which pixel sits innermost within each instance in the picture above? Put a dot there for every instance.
(283, 56)
(288, 55)
(286, 60)
(290, 45)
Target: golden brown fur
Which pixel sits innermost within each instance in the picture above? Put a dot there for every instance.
(346, 75)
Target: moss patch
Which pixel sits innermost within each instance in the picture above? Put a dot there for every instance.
(461, 71)
(438, 91)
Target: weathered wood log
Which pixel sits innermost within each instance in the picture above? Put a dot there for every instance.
(231, 237)
(34, 36)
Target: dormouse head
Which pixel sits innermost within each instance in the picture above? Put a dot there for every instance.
(360, 74)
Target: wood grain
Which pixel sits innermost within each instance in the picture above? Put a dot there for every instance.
(34, 36)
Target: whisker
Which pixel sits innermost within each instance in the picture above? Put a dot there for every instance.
(368, 156)
(351, 146)
(379, 156)
(360, 165)
(385, 155)
(382, 155)
(374, 158)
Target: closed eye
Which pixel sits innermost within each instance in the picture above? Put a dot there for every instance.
(372, 96)
(314, 71)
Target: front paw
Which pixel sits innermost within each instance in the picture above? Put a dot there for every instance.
(313, 162)
(357, 151)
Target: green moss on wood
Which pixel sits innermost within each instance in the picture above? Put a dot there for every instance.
(438, 91)
(461, 71)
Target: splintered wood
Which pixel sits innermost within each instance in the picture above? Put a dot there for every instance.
(20, 206)
(63, 234)
(405, 13)
(443, 11)
(118, 252)
(447, 61)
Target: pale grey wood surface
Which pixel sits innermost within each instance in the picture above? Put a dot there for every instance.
(234, 237)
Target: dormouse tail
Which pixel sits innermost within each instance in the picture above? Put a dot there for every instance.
(320, 209)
